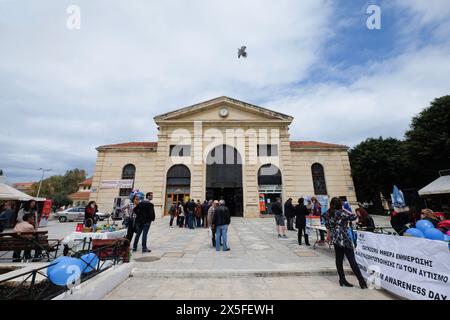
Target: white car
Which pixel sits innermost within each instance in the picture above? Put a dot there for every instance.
(77, 214)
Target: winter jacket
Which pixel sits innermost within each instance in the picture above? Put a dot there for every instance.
(145, 213)
(221, 216)
(300, 213)
(289, 209)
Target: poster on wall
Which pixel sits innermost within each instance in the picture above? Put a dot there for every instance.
(116, 184)
(412, 268)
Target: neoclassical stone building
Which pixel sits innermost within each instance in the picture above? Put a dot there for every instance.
(222, 149)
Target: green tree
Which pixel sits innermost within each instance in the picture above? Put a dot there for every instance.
(60, 184)
(428, 142)
(378, 164)
(61, 199)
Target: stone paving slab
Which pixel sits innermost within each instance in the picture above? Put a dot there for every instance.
(259, 266)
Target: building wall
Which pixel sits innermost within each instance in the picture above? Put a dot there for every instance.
(109, 166)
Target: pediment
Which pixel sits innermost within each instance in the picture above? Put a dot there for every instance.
(210, 111)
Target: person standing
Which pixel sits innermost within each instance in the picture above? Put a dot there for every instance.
(211, 209)
(205, 207)
(198, 214)
(221, 220)
(129, 216)
(145, 215)
(190, 208)
(316, 210)
(289, 213)
(172, 213)
(336, 222)
(300, 220)
(28, 208)
(90, 217)
(5, 216)
(180, 219)
(277, 210)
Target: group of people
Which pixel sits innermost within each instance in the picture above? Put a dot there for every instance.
(190, 214)
(137, 218)
(212, 214)
(403, 220)
(27, 221)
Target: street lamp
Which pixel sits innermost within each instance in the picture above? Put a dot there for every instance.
(42, 178)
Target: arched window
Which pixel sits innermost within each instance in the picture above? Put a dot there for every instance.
(179, 175)
(269, 174)
(318, 177)
(128, 173)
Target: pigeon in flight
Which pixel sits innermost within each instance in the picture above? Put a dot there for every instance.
(241, 52)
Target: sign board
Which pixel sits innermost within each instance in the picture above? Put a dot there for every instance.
(262, 202)
(413, 268)
(116, 184)
(46, 210)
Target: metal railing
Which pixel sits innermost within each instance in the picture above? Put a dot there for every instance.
(30, 289)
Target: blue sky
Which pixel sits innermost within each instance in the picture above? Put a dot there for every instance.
(63, 92)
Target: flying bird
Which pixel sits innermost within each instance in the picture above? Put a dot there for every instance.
(242, 53)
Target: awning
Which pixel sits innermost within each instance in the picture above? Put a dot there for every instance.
(439, 186)
(9, 193)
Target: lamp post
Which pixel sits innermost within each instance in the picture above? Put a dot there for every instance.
(42, 178)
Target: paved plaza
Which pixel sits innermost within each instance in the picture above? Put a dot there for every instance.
(183, 265)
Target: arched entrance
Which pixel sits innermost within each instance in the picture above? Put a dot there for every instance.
(270, 187)
(224, 178)
(178, 185)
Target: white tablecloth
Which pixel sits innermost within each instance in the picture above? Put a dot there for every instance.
(95, 236)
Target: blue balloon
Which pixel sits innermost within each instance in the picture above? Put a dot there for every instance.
(89, 262)
(55, 262)
(413, 232)
(424, 225)
(434, 234)
(65, 272)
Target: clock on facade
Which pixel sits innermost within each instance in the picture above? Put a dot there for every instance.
(223, 112)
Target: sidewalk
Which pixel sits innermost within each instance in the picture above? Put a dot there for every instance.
(184, 265)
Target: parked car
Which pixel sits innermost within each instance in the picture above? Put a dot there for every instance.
(77, 214)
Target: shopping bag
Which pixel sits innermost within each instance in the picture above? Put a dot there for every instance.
(210, 232)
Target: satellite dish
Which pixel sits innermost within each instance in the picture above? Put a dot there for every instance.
(241, 52)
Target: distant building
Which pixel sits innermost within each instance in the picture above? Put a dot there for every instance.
(24, 187)
(81, 197)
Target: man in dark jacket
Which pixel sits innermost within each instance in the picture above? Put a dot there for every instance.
(190, 213)
(301, 211)
(221, 220)
(145, 215)
(289, 213)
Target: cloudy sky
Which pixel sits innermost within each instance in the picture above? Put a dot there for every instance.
(63, 92)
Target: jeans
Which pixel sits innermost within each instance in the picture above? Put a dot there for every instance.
(171, 220)
(221, 235)
(199, 221)
(350, 254)
(290, 223)
(181, 221)
(144, 228)
(191, 220)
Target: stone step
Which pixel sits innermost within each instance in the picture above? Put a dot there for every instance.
(206, 274)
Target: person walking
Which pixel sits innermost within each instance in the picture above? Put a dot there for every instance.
(129, 216)
(221, 220)
(172, 213)
(336, 222)
(211, 209)
(290, 214)
(301, 211)
(145, 215)
(277, 210)
(205, 207)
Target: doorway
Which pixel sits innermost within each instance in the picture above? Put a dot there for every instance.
(224, 178)
(178, 186)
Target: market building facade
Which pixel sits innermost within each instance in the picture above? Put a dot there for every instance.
(222, 149)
